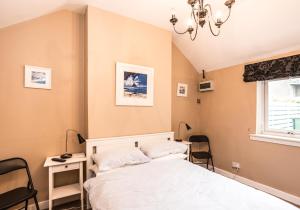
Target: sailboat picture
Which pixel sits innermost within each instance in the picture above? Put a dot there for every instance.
(37, 77)
(135, 84)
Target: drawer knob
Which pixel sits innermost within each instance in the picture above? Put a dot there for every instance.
(66, 166)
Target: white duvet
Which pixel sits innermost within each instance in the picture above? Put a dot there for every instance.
(175, 185)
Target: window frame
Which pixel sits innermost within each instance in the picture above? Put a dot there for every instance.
(269, 135)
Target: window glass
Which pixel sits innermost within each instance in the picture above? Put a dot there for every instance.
(283, 105)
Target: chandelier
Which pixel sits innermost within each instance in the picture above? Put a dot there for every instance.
(200, 14)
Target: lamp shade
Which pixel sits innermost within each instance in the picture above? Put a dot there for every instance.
(188, 127)
(80, 139)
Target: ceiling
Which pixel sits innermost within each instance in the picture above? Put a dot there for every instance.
(256, 29)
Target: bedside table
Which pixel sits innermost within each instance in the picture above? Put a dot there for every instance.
(189, 148)
(74, 163)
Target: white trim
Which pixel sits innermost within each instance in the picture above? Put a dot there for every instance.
(276, 139)
(267, 189)
(263, 100)
(260, 106)
(262, 121)
(253, 59)
(278, 193)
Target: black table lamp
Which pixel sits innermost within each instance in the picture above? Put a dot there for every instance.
(81, 140)
(187, 126)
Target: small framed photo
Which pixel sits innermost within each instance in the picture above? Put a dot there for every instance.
(37, 77)
(134, 85)
(182, 89)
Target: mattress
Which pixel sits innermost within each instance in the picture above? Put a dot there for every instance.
(175, 185)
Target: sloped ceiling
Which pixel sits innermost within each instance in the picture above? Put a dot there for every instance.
(257, 28)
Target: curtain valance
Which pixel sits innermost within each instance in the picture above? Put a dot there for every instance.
(273, 69)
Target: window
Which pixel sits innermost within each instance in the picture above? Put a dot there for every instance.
(278, 108)
(296, 90)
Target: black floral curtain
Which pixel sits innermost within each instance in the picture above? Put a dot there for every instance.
(274, 69)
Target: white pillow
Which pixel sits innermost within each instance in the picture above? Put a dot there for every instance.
(156, 150)
(179, 156)
(115, 158)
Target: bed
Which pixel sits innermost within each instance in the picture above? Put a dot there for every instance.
(170, 184)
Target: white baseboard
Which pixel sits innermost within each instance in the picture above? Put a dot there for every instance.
(278, 193)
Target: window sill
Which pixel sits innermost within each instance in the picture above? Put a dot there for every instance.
(276, 139)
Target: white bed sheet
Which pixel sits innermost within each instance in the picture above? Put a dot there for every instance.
(175, 185)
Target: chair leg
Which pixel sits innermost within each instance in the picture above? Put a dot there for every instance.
(207, 163)
(36, 203)
(26, 204)
(212, 163)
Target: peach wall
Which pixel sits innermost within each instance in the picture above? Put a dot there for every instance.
(112, 38)
(228, 115)
(33, 121)
(184, 108)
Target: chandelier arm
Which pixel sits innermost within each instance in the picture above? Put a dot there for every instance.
(178, 32)
(212, 31)
(210, 11)
(229, 13)
(211, 14)
(201, 2)
(197, 26)
(193, 16)
(194, 37)
(210, 17)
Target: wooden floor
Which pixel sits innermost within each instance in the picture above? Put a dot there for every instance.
(75, 205)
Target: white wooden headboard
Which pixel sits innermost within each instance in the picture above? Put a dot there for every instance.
(95, 145)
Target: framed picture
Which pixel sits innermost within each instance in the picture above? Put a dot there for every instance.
(134, 85)
(182, 89)
(37, 77)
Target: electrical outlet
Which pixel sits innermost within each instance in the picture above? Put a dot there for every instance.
(236, 165)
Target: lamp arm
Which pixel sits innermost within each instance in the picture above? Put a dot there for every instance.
(179, 128)
(67, 135)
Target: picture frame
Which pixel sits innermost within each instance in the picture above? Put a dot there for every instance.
(37, 77)
(134, 85)
(182, 90)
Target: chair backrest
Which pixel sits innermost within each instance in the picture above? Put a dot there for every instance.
(14, 164)
(199, 138)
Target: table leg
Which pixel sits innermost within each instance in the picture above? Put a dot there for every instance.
(50, 187)
(81, 184)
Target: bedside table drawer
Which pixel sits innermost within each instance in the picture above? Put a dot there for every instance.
(66, 167)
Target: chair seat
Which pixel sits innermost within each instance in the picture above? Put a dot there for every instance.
(201, 155)
(15, 196)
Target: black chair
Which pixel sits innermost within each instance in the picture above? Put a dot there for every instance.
(198, 139)
(21, 194)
